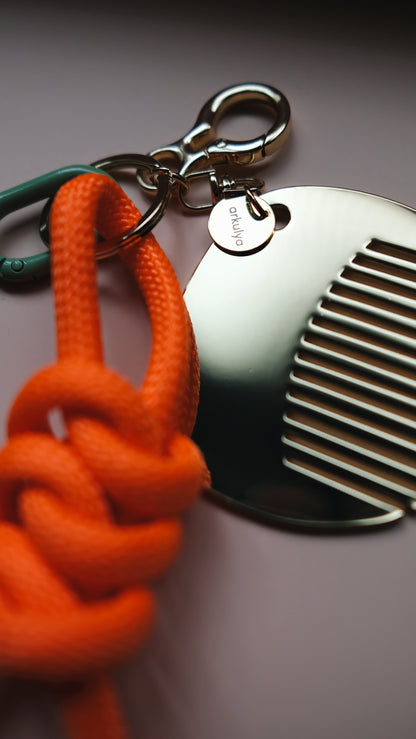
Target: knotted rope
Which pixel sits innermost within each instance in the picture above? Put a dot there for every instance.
(88, 522)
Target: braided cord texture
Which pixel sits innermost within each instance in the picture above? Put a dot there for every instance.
(88, 522)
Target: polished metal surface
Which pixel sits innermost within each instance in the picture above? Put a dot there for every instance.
(166, 181)
(308, 363)
(241, 224)
(222, 186)
(201, 147)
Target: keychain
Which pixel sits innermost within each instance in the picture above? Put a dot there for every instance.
(304, 313)
(305, 330)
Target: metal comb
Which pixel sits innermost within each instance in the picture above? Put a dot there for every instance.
(308, 363)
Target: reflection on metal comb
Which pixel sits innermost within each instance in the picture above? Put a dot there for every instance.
(308, 363)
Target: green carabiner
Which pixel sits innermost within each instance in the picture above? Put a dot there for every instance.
(23, 269)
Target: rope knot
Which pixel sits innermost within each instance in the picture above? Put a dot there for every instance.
(89, 521)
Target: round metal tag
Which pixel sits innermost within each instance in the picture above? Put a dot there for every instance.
(237, 228)
(307, 352)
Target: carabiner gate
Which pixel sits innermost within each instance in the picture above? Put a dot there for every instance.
(22, 269)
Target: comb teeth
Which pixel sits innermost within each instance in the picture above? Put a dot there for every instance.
(351, 403)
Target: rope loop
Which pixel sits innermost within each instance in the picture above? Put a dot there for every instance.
(88, 522)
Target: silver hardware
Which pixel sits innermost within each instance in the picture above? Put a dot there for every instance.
(308, 363)
(242, 224)
(166, 181)
(221, 186)
(259, 210)
(200, 146)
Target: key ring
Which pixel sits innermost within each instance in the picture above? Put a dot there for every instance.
(201, 144)
(166, 180)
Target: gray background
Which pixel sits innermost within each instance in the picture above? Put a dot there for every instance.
(261, 632)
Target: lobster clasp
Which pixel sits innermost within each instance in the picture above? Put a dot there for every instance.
(202, 148)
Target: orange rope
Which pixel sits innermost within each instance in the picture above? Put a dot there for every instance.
(87, 523)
